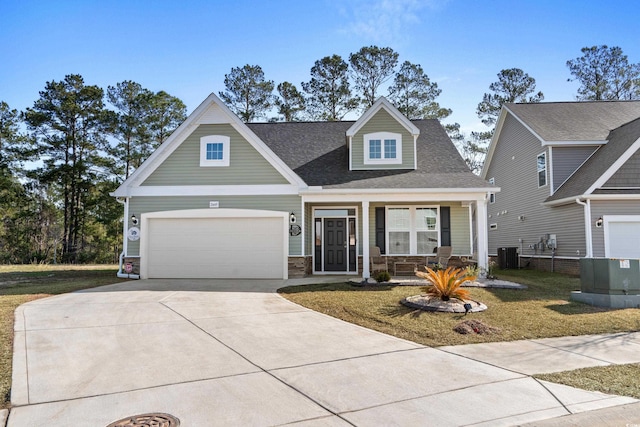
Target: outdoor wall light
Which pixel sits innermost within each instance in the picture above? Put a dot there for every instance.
(599, 222)
(292, 218)
(134, 219)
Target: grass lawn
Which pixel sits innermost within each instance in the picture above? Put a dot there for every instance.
(614, 379)
(541, 311)
(23, 283)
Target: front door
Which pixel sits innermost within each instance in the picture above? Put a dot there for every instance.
(335, 244)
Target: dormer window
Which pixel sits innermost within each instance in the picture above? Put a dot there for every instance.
(214, 150)
(382, 148)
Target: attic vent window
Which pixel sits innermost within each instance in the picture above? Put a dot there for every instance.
(214, 150)
(382, 148)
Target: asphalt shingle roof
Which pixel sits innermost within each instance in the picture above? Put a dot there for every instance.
(576, 121)
(317, 152)
(619, 141)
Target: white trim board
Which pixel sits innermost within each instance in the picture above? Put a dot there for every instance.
(212, 190)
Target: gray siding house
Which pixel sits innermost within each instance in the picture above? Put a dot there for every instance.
(569, 174)
(224, 199)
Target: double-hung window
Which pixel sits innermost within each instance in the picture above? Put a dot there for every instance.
(382, 148)
(412, 230)
(214, 150)
(542, 169)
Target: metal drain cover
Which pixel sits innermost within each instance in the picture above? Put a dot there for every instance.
(155, 419)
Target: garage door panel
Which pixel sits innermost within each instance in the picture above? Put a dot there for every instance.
(623, 239)
(216, 247)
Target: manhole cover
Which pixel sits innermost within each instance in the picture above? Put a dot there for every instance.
(147, 420)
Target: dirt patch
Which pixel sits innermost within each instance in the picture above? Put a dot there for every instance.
(473, 326)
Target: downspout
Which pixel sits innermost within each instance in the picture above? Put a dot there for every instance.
(124, 235)
(587, 226)
(120, 274)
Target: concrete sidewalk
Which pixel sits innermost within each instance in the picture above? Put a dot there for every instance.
(235, 353)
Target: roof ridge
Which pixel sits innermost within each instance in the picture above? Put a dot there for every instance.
(609, 101)
(301, 122)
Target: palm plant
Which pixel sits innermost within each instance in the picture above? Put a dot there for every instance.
(446, 284)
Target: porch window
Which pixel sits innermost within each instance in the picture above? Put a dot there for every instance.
(426, 231)
(412, 230)
(399, 230)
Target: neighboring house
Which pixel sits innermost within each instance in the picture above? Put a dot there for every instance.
(224, 199)
(569, 174)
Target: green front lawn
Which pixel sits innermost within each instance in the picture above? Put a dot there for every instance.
(24, 283)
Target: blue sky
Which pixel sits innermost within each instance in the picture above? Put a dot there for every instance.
(186, 47)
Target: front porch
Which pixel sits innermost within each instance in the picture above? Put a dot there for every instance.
(341, 229)
(300, 267)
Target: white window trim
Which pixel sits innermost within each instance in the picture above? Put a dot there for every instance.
(382, 136)
(546, 167)
(413, 231)
(224, 140)
(492, 196)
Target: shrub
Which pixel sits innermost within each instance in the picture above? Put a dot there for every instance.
(382, 276)
(446, 284)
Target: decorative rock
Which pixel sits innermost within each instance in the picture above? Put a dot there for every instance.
(427, 303)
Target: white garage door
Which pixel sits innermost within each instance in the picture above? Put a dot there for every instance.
(622, 236)
(219, 247)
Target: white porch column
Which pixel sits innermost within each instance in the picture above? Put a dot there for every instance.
(483, 237)
(365, 240)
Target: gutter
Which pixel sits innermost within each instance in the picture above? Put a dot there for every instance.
(587, 226)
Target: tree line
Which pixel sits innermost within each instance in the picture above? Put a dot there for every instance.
(60, 158)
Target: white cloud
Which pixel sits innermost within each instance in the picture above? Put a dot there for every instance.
(386, 22)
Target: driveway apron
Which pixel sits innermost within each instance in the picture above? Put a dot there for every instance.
(233, 352)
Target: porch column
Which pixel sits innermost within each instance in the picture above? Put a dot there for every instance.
(365, 240)
(483, 237)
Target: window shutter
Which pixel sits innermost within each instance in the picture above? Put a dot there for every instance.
(445, 225)
(380, 230)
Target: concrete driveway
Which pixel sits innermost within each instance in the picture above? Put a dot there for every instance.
(216, 353)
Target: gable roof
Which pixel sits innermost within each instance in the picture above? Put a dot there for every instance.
(575, 121)
(623, 142)
(316, 151)
(382, 103)
(572, 123)
(211, 111)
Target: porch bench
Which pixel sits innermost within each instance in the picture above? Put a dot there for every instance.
(404, 268)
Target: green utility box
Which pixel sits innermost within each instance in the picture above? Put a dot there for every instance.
(610, 276)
